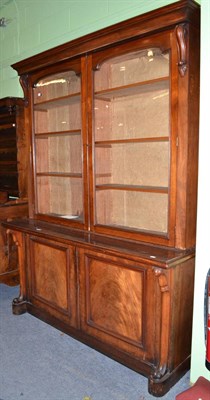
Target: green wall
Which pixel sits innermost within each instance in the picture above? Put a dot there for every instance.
(37, 25)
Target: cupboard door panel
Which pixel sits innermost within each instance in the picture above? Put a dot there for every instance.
(109, 285)
(53, 277)
(113, 302)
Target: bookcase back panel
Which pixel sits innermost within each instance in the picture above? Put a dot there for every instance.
(134, 116)
(132, 209)
(149, 162)
(58, 119)
(60, 196)
(59, 153)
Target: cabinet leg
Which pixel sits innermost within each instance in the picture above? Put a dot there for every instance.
(19, 303)
(19, 306)
(159, 385)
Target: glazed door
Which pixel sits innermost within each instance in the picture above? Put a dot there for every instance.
(134, 140)
(52, 278)
(60, 145)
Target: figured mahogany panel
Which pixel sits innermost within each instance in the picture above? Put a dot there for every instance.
(113, 302)
(119, 292)
(53, 277)
(50, 274)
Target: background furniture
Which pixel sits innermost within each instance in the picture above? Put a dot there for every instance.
(13, 180)
(107, 254)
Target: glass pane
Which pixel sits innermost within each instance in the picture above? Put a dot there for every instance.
(59, 153)
(132, 140)
(130, 209)
(58, 146)
(58, 118)
(133, 116)
(135, 67)
(60, 196)
(133, 164)
(55, 86)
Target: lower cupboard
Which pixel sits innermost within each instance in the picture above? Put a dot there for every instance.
(132, 303)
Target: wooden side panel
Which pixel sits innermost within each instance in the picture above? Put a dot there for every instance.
(176, 289)
(52, 279)
(9, 268)
(182, 284)
(188, 129)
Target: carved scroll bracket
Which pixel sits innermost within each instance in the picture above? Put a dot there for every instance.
(25, 86)
(161, 369)
(19, 303)
(181, 35)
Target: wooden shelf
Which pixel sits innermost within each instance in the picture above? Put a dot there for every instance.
(133, 89)
(58, 102)
(60, 174)
(101, 143)
(67, 216)
(44, 135)
(7, 126)
(8, 162)
(135, 188)
(8, 150)
(8, 173)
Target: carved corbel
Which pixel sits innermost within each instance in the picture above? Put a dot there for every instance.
(19, 303)
(181, 36)
(25, 86)
(161, 369)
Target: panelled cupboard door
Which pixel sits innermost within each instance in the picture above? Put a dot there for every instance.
(135, 132)
(52, 278)
(59, 141)
(117, 301)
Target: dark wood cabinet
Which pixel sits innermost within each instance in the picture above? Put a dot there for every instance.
(13, 180)
(131, 301)
(107, 254)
